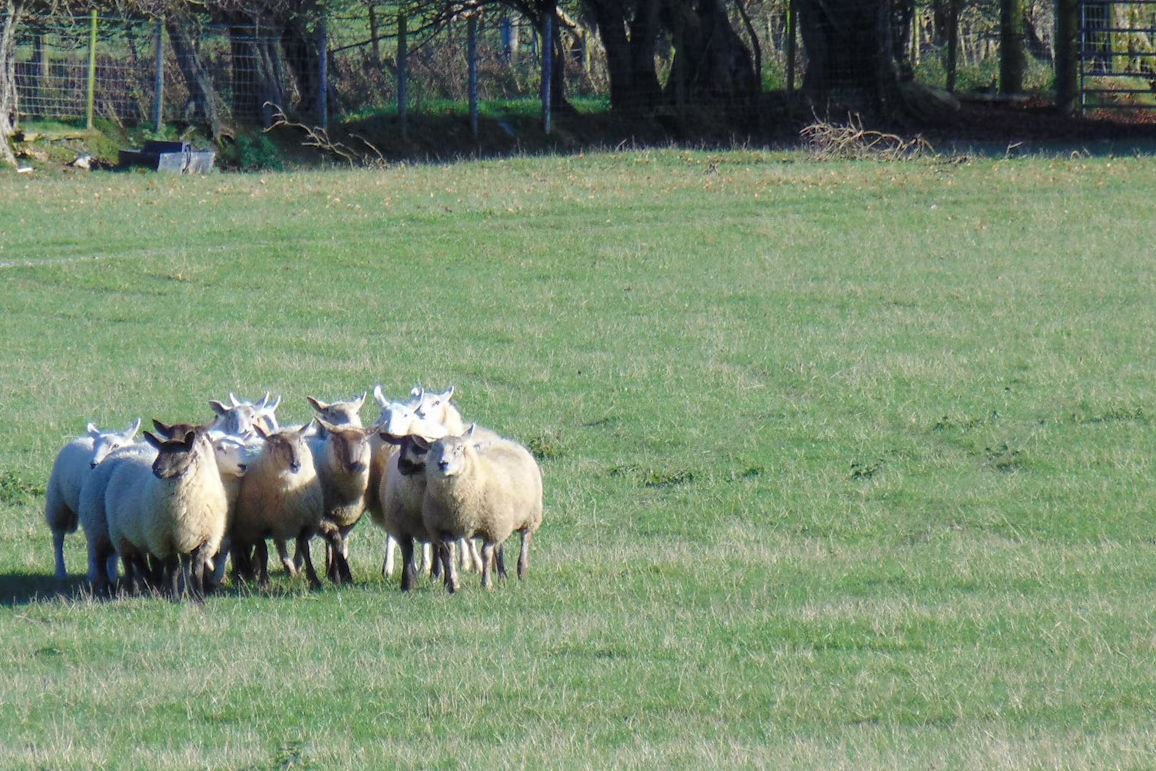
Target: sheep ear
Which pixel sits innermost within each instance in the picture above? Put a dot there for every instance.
(379, 397)
(92, 430)
(152, 439)
(449, 394)
(469, 431)
(270, 407)
(233, 399)
(420, 442)
(260, 431)
(162, 428)
(317, 405)
(130, 432)
(326, 425)
(219, 407)
(360, 400)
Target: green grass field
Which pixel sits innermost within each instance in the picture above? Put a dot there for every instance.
(847, 466)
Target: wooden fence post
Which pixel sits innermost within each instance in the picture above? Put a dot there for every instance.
(91, 99)
(159, 78)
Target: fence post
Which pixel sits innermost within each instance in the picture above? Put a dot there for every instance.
(159, 78)
(323, 72)
(791, 22)
(472, 57)
(547, 65)
(91, 99)
(402, 75)
(1067, 56)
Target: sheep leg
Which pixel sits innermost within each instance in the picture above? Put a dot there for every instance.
(303, 546)
(128, 583)
(475, 556)
(432, 565)
(261, 556)
(387, 566)
(465, 559)
(200, 562)
(446, 554)
(283, 553)
(408, 568)
(524, 555)
(487, 563)
(174, 572)
(500, 560)
(98, 569)
(58, 548)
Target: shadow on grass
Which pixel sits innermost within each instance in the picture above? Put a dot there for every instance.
(18, 589)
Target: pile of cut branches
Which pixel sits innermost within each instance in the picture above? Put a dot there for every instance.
(832, 141)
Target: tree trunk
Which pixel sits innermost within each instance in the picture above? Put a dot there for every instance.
(1012, 61)
(196, 76)
(300, 48)
(9, 22)
(634, 85)
(717, 65)
(851, 57)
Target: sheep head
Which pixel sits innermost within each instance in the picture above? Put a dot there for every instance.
(176, 457)
(287, 447)
(447, 456)
(105, 443)
(350, 445)
(338, 413)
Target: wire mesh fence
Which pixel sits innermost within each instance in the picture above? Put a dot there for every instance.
(142, 71)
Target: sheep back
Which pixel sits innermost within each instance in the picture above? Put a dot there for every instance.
(497, 490)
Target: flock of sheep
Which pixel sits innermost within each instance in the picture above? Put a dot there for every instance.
(173, 507)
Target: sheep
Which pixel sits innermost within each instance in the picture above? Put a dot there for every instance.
(173, 509)
(72, 466)
(241, 418)
(401, 506)
(233, 457)
(397, 421)
(337, 413)
(341, 455)
(438, 407)
(93, 517)
(281, 498)
(487, 490)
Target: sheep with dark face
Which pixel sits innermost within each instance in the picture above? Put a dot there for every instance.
(72, 467)
(173, 509)
(281, 498)
(486, 490)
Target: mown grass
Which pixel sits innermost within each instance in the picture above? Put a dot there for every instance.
(847, 465)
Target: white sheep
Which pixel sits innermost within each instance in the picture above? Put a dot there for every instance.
(341, 455)
(234, 454)
(241, 418)
(486, 490)
(174, 510)
(281, 498)
(439, 407)
(73, 464)
(93, 519)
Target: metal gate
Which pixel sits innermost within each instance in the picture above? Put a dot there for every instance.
(1117, 54)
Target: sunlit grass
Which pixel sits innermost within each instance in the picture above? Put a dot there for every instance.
(846, 465)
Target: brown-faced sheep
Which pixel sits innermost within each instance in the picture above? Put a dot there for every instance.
(281, 498)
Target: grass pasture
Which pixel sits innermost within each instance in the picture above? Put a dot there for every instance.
(847, 466)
